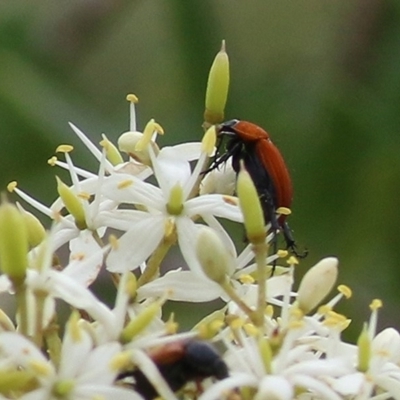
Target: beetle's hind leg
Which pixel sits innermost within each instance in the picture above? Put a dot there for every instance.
(291, 243)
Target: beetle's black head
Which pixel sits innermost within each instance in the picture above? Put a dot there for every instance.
(204, 361)
(227, 128)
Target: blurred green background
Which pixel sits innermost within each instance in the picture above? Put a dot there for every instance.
(322, 76)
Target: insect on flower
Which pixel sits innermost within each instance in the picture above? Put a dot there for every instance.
(267, 168)
(180, 362)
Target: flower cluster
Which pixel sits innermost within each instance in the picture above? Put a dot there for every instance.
(122, 220)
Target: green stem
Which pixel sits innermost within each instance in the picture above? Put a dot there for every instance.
(261, 252)
(53, 341)
(40, 297)
(97, 238)
(154, 262)
(20, 295)
(240, 303)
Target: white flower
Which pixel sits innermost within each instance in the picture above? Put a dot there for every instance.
(180, 285)
(381, 372)
(84, 372)
(279, 376)
(168, 208)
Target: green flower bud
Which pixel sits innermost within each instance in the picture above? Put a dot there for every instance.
(212, 255)
(217, 88)
(141, 322)
(72, 203)
(13, 243)
(251, 208)
(112, 153)
(175, 201)
(63, 388)
(364, 350)
(35, 229)
(266, 353)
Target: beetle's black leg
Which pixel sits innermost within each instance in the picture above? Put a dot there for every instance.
(225, 157)
(290, 242)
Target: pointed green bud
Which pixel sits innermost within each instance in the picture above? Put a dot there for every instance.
(63, 388)
(73, 327)
(72, 203)
(251, 207)
(217, 88)
(35, 229)
(212, 255)
(265, 353)
(175, 201)
(141, 322)
(131, 285)
(16, 381)
(317, 284)
(364, 350)
(13, 243)
(209, 140)
(112, 153)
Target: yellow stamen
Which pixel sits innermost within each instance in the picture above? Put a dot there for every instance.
(77, 256)
(283, 211)
(292, 260)
(52, 161)
(345, 290)
(236, 323)
(64, 148)
(132, 98)
(251, 330)
(158, 128)
(113, 240)
(324, 309)
(376, 304)
(84, 195)
(246, 279)
(120, 361)
(125, 184)
(216, 325)
(171, 326)
(231, 200)
(11, 186)
(269, 311)
(296, 324)
(282, 253)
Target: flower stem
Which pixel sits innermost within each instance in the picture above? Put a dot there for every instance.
(53, 341)
(154, 262)
(240, 303)
(40, 297)
(20, 295)
(261, 252)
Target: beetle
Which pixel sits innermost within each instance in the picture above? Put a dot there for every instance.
(264, 162)
(180, 362)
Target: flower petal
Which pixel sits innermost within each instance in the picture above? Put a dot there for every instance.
(181, 286)
(136, 245)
